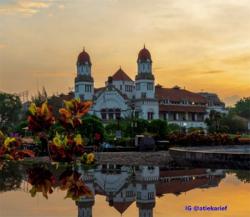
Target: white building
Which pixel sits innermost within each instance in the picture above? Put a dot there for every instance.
(214, 103)
(123, 97)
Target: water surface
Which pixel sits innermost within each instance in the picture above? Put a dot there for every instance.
(131, 191)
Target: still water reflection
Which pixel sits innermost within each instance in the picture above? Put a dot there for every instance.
(143, 191)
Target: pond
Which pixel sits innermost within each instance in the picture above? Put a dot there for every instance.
(116, 190)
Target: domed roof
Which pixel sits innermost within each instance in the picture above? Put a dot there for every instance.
(83, 58)
(144, 55)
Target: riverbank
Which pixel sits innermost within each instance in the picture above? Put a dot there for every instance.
(228, 156)
(159, 158)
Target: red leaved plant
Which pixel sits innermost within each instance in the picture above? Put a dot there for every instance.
(10, 148)
(41, 180)
(71, 181)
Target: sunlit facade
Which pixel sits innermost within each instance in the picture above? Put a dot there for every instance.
(122, 97)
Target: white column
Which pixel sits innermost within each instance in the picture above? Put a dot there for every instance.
(195, 117)
(177, 116)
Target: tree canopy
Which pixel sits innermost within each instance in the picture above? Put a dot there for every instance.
(242, 108)
(10, 111)
(226, 123)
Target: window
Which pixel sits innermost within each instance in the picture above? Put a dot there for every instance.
(128, 88)
(129, 193)
(143, 95)
(150, 115)
(137, 86)
(111, 114)
(193, 116)
(165, 116)
(183, 115)
(175, 116)
(151, 195)
(117, 113)
(149, 86)
(88, 87)
(104, 114)
(139, 195)
(120, 87)
(77, 88)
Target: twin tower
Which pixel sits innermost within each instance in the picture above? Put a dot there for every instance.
(144, 87)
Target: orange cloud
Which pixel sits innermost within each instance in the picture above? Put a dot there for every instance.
(24, 7)
(2, 45)
(196, 44)
(238, 60)
(54, 75)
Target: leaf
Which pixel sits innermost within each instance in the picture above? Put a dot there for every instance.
(33, 191)
(29, 153)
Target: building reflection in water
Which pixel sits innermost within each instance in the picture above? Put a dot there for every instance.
(122, 185)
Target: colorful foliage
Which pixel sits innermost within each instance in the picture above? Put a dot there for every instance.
(71, 181)
(10, 148)
(41, 180)
(69, 143)
(40, 118)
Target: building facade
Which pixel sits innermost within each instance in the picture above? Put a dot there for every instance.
(123, 97)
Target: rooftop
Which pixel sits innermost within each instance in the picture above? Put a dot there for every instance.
(120, 75)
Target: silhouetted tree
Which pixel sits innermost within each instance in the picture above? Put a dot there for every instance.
(10, 111)
(242, 108)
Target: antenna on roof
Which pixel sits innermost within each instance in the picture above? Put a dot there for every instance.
(144, 45)
(83, 48)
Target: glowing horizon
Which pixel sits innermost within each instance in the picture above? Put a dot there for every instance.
(199, 45)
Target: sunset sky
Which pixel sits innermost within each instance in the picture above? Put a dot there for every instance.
(196, 44)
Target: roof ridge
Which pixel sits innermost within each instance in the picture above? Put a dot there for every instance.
(121, 75)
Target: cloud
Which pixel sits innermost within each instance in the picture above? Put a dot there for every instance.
(2, 45)
(53, 75)
(238, 60)
(212, 72)
(158, 68)
(231, 100)
(61, 6)
(24, 7)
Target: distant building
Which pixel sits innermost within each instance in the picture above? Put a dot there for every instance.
(123, 97)
(181, 107)
(214, 102)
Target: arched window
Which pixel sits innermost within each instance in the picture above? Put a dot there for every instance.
(104, 114)
(111, 114)
(117, 113)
